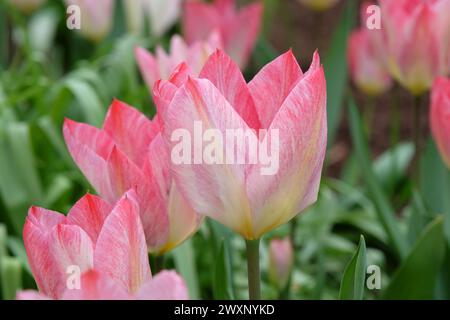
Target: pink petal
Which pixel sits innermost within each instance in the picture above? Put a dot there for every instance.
(302, 126)
(31, 295)
(89, 213)
(96, 286)
(226, 76)
(148, 66)
(131, 130)
(215, 190)
(272, 85)
(440, 116)
(166, 285)
(199, 19)
(121, 251)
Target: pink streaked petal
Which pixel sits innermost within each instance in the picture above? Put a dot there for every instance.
(31, 295)
(90, 147)
(272, 85)
(440, 116)
(199, 19)
(131, 130)
(89, 213)
(215, 190)
(36, 237)
(226, 76)
(166, 285)
(121, 251)
(301, 122)
(178, 49)
(148, 66)
(96, 286)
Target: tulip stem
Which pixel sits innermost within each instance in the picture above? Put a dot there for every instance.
(254, 277)
(417, 139)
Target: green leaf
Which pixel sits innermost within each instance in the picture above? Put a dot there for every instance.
(385, 212)
(335, 64)
(11, 275)
(185, 263)
(222, 288)
(18, 250)
(416, 277)
(353, 281)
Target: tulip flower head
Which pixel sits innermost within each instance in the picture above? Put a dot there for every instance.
(162, 64)
(129, 153)
(282, 99)
(27, 6)
(417, 34)
(96, 252)
(440, 116)
(96, 17)
(281, 260)
(239, 29)
(319, 5)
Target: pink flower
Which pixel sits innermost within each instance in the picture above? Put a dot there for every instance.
(96, 17)
(417, 34)
(281, 259)
(27, 6)
(319, 5)
(281, 100)
(162, 64)
(129, 153)
(105, 244)
(366, 60)
(239, 29)
(440, 116)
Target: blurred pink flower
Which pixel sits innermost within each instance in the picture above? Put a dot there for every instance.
(417, 35)
(280, 99)
(239, 29)
(281, 259)
(162, 64)
(366, 59)
(96, 17)
(440, 116)
(319, 5)
(27, 6)
(105, 244)
(129, 153)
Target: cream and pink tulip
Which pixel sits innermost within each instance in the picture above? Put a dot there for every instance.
(281, 260)
(239, 29)
(27, 6)
(440, 116)
(104, 243)
(129, 153)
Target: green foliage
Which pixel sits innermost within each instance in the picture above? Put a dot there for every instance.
(353, 281)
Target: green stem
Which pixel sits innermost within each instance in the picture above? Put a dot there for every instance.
(417, 140)
(254, 277)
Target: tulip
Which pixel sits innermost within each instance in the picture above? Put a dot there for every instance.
(129, 153)
(162, 14)
(103, 245)
(440, 116)
(238, 29)
(281, 260)
(96, 17)
(162, 64)
(417, 37)
(281, 106)
(318, 5)
(27, 6)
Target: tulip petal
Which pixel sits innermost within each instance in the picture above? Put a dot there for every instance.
(89, 213)
(121, 251)
(31, 295)
(301, 122)
(226, 76)
(148, 66)
(272, 85)
(440, 116)
(199, 19)
(216, 189)
(166, 285)
(96, 286)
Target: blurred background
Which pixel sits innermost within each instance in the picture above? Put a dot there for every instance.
(48, 72)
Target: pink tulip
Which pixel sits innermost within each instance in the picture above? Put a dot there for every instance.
(280, 99)
(417, 34)
(238, 29)
(319, 5)
(440, 116)
(105, 244)
(366, 60)
(281, 259)
(162, 64)
(96, 17)
(129, 153)
(27, 6)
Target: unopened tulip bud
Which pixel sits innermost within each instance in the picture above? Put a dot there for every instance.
(440, 116)
(27, 6)
(281, 259)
